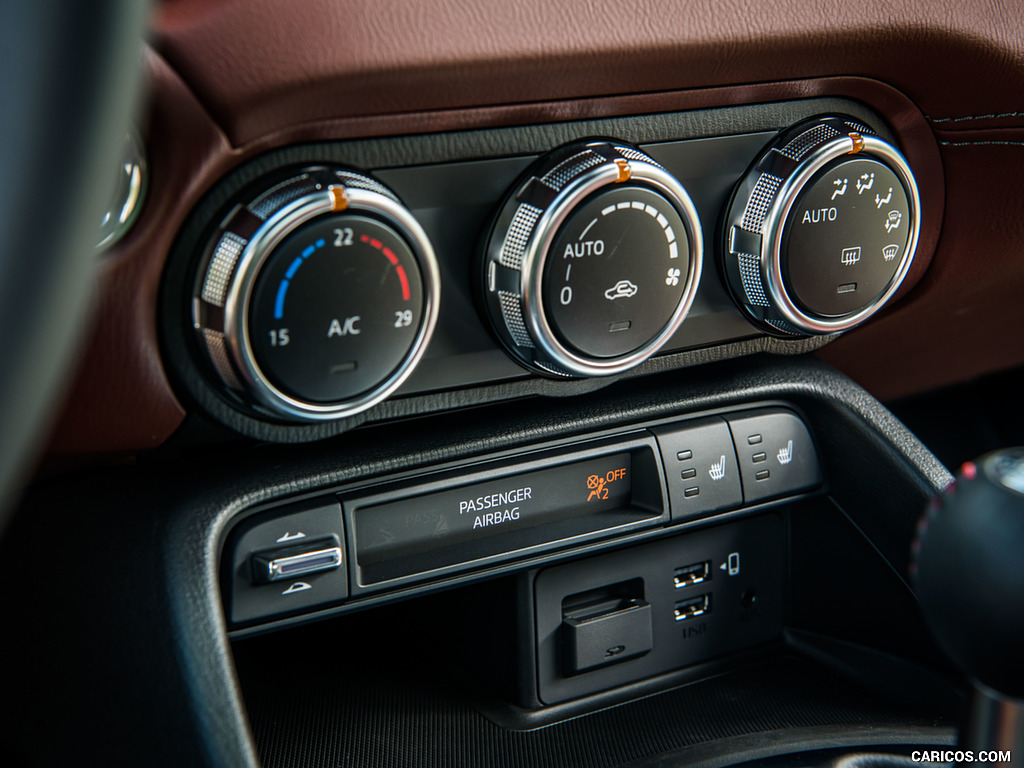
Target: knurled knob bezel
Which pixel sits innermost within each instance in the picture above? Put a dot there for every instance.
(238, 250)
(755, 223)
(525, 229)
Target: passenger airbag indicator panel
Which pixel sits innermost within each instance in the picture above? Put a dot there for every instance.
(516, 510)
(434, 527)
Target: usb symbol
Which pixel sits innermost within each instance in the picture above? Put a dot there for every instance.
(786, 454)
(717, 470)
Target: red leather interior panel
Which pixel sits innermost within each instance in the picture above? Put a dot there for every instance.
(261, 65)
(120, 401)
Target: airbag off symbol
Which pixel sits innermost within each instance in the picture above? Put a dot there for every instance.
(598, 485)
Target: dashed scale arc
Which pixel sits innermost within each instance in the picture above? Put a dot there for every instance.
(309, 250)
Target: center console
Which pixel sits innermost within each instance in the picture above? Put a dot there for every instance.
(662, 624)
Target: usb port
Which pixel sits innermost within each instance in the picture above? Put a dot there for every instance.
(692, 608)
(689, 575)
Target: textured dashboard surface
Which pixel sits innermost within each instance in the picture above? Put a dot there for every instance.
(264, 65)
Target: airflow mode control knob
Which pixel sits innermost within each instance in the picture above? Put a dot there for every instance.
(822, 229)
(316, 296)
(593, 261)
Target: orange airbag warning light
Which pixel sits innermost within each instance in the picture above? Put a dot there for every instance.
(598, 485)
(447, 527)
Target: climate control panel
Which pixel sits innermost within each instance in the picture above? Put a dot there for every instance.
(315, 290)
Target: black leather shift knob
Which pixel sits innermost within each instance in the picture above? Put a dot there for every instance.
(969, 570)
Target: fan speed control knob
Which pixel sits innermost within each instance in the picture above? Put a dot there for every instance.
(822, 230)
(316, 296)
(593, 261)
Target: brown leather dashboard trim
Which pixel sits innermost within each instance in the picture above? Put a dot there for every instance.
(262, 65)
(121, 401)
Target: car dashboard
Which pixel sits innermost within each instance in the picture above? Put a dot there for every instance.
(526, 385)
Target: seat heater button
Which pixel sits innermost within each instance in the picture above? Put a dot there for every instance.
(784, 461)
(711, 480)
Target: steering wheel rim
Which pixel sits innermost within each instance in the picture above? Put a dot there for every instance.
(69, 74)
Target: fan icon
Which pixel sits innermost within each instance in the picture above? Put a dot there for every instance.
(673, 277)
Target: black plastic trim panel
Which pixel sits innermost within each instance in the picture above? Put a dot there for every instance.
(378, 718)
(143, 544)
(409, 165)
(363, 592)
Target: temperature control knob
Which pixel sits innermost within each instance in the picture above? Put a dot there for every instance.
(822, 230)
(316, 296)
(593, 261)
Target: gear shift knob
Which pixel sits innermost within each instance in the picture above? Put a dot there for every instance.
(969, 568)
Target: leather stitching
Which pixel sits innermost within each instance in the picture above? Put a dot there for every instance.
(981, 143)
(965, 118)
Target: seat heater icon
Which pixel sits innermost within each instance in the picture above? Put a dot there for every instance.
(786, 454)
(717, 470)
